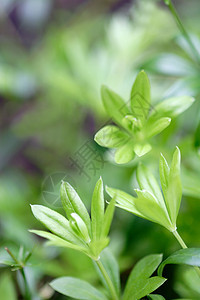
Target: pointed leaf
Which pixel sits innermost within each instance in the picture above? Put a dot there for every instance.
(108, 216)
(114, 105)
(124, 200)
(189, 256)
(55, 222)
(73, 204)
(97, 210)
(125, 153)
(142, 149)
(173, 107)
(154, 127)
(111, 137)
(164, 173)
(155, 297)
(76, 288)
(56, 241)
(138, 279)
(148, 206)
(140, 97)
(174, 189)
(82, 228)
(147, 182)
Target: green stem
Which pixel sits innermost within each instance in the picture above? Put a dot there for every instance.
(108, 280)
(183, 245)
(27, 295)
(182, 29)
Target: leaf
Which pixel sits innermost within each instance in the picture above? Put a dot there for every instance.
(164, 173)
(55, 222)
(124, 200)
(125, 153)
(7, 287)
(173, 107)
(76, 288)
(142, 149)
(56, 241)
(112, 268)
(108, 216)
(173, 193)
(73, 204)
(139, 284)
(155, 297)
(140, 97)
(111, 137)
(97, 210)
(147, 182)
(148, 206)
(154, 127)
(114, 105)
(189, 256)
(82, 228)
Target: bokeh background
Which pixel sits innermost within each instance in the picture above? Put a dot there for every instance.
(54, 57)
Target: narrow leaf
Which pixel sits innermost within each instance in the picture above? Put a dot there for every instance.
(174, 189)
(173, 107)
(77, 289)
(164, 173)
(147, 182)
(114, 105)
(140, 97)
(108, 216)
(111, 137)
(155, 297)
(124, 200)
(148, 206)
(56, 241)
(82, 228)
(189, 256)
(55, 222)
(97, 210)
(73, 204)
(154, 127)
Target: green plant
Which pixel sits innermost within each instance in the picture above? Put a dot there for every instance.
(137, 122)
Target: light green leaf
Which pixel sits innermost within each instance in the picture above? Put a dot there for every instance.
(77, 289)
(142, 149)
(97, 246)
(155, 297)
(111, 137)
(114, 105)
(56, 241)
(147, 182)
(73, 204)
(97, 210)
(125, 153)
(7, 287)
(164, 173)
(82, 228)
(140, 97)
(174, 189)
(56, 223)
(139, 284)
(173, 107)
(148, 206)
(154, 127)
(108, 216)
(112, 268)
(124, 200)
(189, 256)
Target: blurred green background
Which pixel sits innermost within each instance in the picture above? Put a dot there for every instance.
(54, 57)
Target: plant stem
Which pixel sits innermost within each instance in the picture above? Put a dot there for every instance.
(183, 245)
(108, 280)
(182, 29)
(27, 292)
